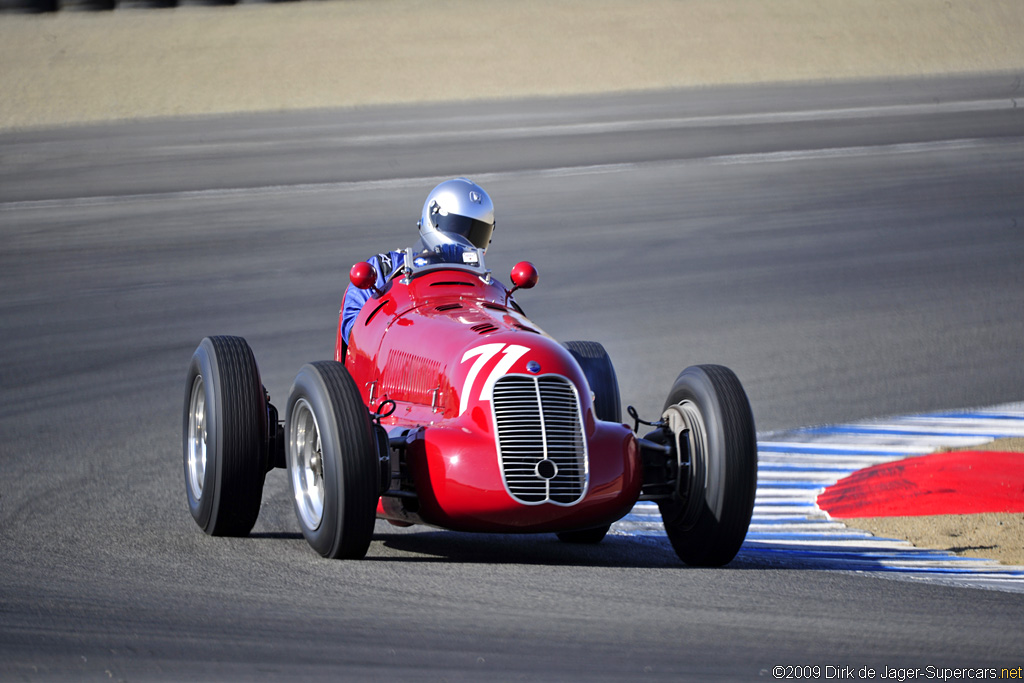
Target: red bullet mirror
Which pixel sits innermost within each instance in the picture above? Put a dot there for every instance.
(524, 275)
(363, 275)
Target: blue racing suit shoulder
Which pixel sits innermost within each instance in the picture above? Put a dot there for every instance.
(384, 263)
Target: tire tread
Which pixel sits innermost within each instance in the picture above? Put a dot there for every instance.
(241, 431)
(715, 541)
(358, 505)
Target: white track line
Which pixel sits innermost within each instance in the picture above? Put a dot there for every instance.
(1001, 144)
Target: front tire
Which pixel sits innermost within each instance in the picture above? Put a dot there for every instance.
(332, 461)
(223, 437)
(708, 523)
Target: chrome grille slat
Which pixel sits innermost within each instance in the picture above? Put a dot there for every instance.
(539, 418)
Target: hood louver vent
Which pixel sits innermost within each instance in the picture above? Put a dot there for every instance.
(451, 283)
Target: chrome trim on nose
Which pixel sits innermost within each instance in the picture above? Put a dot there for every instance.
(538, 420)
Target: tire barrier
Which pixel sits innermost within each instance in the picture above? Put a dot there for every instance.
(50, 6)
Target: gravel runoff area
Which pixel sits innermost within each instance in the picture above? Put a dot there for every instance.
(995, 536)
(79, 67)
(73, 66)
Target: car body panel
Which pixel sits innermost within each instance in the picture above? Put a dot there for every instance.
(437, 345)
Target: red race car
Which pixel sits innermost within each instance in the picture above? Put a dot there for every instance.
(449, 407)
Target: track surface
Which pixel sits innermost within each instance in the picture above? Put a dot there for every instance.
(850, 251)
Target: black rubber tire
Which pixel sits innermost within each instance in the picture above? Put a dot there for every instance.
(600, 374)
(584, 536)
(350, 463)
(708, 531)
(235, 412)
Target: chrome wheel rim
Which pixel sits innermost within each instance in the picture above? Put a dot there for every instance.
(197, 438)
(307, 470)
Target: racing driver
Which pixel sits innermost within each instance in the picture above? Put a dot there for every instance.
(457, 213)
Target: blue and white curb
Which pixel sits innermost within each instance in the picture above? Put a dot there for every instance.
(789, 530)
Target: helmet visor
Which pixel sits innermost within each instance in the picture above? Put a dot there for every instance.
(477, 232)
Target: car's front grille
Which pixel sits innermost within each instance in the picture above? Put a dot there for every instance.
(541, 447)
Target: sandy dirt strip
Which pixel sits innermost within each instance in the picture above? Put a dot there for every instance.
(994, 536)
(76, 66)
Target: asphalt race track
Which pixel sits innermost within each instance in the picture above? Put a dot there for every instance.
(850, 251)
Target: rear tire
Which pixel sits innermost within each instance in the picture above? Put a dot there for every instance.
(600, 374)
(708, 525)
(332, 458)
(223, 437)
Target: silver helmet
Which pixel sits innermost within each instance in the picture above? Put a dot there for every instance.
(457, 211)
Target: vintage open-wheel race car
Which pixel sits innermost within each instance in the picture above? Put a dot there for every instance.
(449, 407)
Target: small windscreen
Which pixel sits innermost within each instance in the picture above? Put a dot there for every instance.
(452, 256)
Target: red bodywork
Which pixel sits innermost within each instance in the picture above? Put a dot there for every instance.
(436, 345)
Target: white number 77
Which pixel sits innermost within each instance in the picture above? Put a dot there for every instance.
(484, 353)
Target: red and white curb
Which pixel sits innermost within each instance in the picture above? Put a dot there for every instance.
(789, 530)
